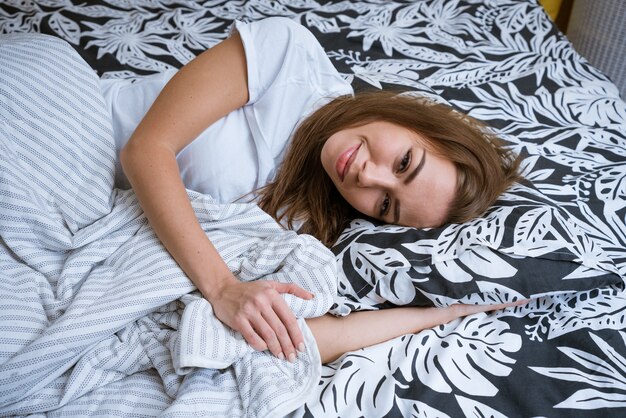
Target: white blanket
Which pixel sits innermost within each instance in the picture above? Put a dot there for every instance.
(96, 318)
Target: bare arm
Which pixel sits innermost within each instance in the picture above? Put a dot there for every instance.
(190, 102)
(205, 90)
(366, 328)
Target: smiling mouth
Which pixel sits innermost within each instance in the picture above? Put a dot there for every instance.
(345, 160)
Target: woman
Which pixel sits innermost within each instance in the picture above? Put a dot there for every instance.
(236, 105)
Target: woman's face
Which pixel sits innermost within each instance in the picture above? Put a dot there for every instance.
(384, 171)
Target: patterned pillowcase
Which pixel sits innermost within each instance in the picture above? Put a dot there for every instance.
(525, 246)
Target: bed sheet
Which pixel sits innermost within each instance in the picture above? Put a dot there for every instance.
(503, 62)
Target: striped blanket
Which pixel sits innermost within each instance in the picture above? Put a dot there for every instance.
(94, 313)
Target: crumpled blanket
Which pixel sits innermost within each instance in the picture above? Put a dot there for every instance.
(94, 312)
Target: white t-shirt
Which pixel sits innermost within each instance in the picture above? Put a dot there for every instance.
(289, 76)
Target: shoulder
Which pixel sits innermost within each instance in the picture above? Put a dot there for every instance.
(279, 23)
(278, 33)
(280, 51)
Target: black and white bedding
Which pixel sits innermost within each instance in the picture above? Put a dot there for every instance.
(559, 237)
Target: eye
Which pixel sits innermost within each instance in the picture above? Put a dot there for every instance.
(384, 208)
(405, 162)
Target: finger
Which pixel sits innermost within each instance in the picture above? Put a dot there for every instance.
(293, 289)
(281, 333)
(290, 322)
(486, 308)
(521, 302)
(252, 338)
(467, 309)
(512, 304)
(268, 335)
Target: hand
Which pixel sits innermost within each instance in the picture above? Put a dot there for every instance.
(260, 314)
(461, 309)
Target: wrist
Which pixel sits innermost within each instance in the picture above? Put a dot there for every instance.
(212, 288)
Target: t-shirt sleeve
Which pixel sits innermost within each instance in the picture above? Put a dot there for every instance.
(279, 51)
(289, 76)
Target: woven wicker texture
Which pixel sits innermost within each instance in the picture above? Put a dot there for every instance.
(597, 28)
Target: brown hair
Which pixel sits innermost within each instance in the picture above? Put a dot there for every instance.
(303, 192)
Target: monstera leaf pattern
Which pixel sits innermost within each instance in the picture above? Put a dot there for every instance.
(462, 356)
(525, 234)
(604, 376)
(561, 234)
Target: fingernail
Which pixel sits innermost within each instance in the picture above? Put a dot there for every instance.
(292, 357)
(301, 347)
(281, 356)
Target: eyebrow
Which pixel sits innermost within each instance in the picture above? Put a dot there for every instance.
(407, 180)
(418, 168)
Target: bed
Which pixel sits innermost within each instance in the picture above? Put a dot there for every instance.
(559, 237)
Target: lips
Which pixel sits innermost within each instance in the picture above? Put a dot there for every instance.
(345, 160)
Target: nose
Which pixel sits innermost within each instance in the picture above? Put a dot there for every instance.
(372, 175)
